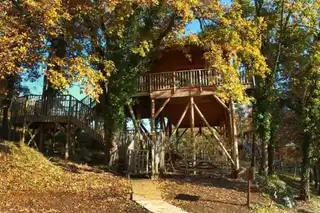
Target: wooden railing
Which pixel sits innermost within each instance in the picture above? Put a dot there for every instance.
(59, 107)
(183, 79)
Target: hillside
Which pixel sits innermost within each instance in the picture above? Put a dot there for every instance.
(32, 183)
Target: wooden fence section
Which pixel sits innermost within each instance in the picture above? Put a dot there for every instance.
(184, 79)
(62, 108)
(138, 161)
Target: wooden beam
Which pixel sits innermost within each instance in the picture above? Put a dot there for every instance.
(216, 130)
(213, 133)
(22, 140)
(32, 137)
(153, 122)
(67, 145)
(162, 107)
(219, 100)
(182, 92)
(179, 122)
(135, 123)
(192, 133)
(180, 136)
(41, 137)
(145, 130)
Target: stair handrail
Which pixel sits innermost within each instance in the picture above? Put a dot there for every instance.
(72, 107)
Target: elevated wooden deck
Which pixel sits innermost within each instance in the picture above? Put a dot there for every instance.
(196, 82)
(62, 109)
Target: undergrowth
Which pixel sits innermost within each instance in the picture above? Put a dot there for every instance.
(277, 190)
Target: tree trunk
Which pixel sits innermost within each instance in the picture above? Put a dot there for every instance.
(271, 151)
(272, 144)
(264, 157)
(315, 176)
(110, 140)
(253, 156)
(305, 172)
(6, 104)
(318, 169)
(5, 124)
(265, 133)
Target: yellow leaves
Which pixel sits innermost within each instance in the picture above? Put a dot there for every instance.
(143, 48)
(57, 79)
(109, 67)
(184, 8)
(234, 42)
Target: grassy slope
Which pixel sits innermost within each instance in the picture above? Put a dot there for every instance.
(39, 185)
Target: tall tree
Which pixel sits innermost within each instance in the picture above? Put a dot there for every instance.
(279, 41)
(110, 42)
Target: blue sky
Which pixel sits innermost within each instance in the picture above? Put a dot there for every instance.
(36, 86)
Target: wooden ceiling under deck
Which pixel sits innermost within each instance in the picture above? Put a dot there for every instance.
(214, 112)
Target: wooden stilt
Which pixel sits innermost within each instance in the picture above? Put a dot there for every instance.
(214, 134)
(219, 100)
(162, 107)
(41, 138)
(22, 140)
(179, 122)
(153, 144)
(181, 135)
(135, 123)
(67, 144)
(162, 146)
(32, 136)
(192, 134)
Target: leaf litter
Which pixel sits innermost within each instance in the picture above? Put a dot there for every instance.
(32, 183)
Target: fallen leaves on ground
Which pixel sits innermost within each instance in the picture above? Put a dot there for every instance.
(215, 194)
(31, 183)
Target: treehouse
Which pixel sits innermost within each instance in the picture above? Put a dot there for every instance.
(179, 93)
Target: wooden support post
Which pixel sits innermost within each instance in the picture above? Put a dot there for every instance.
(135, 123)
(192, 134)
(153, 144)
(66, 153)
(22, 140)
(162, 107)
(32, 136)
(162, 145)
(219, 100)
(234, 137)
(179, 122)
(174, 82)
(41, 138)
(181, 135)
(213, 133)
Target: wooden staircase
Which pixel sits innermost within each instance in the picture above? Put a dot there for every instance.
(61, 109)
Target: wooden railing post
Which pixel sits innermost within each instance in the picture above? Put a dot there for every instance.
(174, 82)
(200, 79)
(150, 83)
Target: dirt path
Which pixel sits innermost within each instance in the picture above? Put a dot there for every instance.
(147, 194)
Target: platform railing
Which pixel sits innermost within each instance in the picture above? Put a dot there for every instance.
(183, 79)
(61, 106)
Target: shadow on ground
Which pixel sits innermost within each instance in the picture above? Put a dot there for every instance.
(211, 181)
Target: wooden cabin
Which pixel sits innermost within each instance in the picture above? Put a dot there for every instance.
(180, 88)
